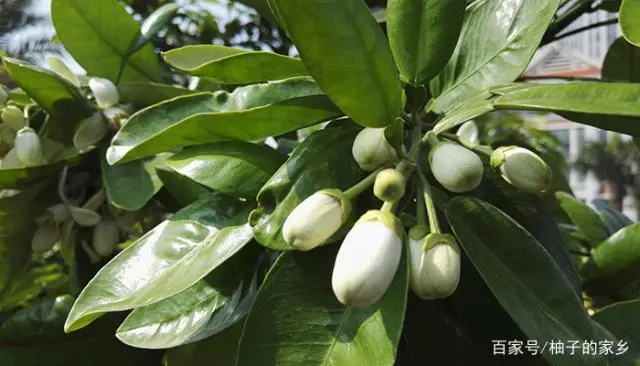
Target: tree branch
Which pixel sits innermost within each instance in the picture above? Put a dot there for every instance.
(564, 20)
(585, 28)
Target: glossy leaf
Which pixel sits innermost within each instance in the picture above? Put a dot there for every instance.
(509, 32)
(346, 52)
(184, 190)
(22, 177)
(236, 168)
(535, 214)
(17, 225)
(249, 113)
(34, 337)
(233, 65)
(216, 302)
(629, 15)
(130, 186)
(168, 259)
(622, 62)
(610, 106)
(522, 275)
(152, 25)
(620, 319)
(54, 94)
(296, 318)
(30, 283)
(144, 94)
(98, 34)
(584, 217)
(469, 110)
(321, 161)
(422, 35)
(221, 347)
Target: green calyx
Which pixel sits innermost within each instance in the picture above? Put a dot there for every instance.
(345, 203)
(418, 232)
(498, 156)
(389, 185)
(388, 219)
(433, 239)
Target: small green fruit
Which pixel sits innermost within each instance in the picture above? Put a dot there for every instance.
(389, 185)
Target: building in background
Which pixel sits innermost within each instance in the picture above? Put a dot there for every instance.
(580, 55)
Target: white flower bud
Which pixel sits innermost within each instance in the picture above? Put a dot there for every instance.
(58, 213)
(389, 185)
(105, 92)
(45, 237)
(61, 69)
(522, 169)
(368, 259)
(457, 168)
(4, 95)
(434, 270)
(90, 131)
(316, 219)
(371, 149)
(84, 217)
(105, 237)
(8, 134)
(468, 134)
(11, 161)
(28, 147)
(13, 117)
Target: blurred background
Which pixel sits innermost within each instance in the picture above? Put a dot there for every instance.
(601, 167)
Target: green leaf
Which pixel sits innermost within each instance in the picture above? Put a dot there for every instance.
(144, 94)
(346, 52)
(233, 65)
(221, 347)
(22, 177)
(98, 34)
(469, 110)
(618, 256)
(30, 283)
(497, 42)
(610, 106)
(584, 217)
(621, 320)
(236, 168)
(152, 25)
(522, 275)
(130, 186)
(422, 35)
(17, 213)
(297, 320)
(34, 337)
(55, 95)
(184, 190)
(249, 113)
(208, 307)
(535, 214)
(622, 62)
(323, 160)
(629, 15)
(168, 259)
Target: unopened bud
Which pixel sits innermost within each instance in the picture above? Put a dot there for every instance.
(28, 147)
(457, 168)
(13, 117)
(104, 91)
(105, 237)
(45, 237)
(389, 185)
(522, 169)
(7, 134)
(368, 259)
(371, 149)
(84, 217)
(435, 265)
(61, 69)
(316, 219)
(468, 134)
(58, 213)
(90, 131)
